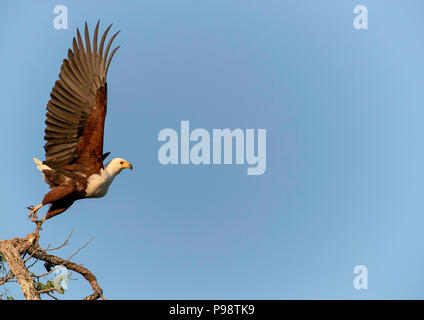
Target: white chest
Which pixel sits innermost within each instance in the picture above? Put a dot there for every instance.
(98, 185)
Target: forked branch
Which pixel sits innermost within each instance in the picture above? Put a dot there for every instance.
(13, 251)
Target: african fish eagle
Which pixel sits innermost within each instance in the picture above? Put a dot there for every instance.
(76, 113)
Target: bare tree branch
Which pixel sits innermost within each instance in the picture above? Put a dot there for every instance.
(37, 252)
(63, 244)
(12, 251)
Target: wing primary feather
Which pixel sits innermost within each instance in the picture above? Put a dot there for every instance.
(82, 54)
(96, 32)
(87, 40)
(95, 52)
(108, 47)
(102, 42)
(89, 55)
(110, 58)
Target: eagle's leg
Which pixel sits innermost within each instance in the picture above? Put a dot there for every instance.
(59, 206)
(56, 195)
(33, 213)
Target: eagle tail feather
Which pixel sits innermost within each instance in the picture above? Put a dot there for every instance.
(40, 165)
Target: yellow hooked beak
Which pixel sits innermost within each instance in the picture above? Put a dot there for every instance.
(127, 165)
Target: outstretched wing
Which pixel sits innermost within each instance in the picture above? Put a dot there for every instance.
(77, 108)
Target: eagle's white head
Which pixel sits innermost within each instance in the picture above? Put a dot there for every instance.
(116, 165)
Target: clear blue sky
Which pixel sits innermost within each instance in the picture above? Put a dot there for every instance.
(344, 115)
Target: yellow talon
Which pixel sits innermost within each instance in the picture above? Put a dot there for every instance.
(33, 213)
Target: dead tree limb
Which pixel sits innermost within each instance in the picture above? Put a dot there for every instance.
(40, 254)
(12, 251)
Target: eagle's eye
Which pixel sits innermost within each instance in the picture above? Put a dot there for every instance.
(122, 162)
